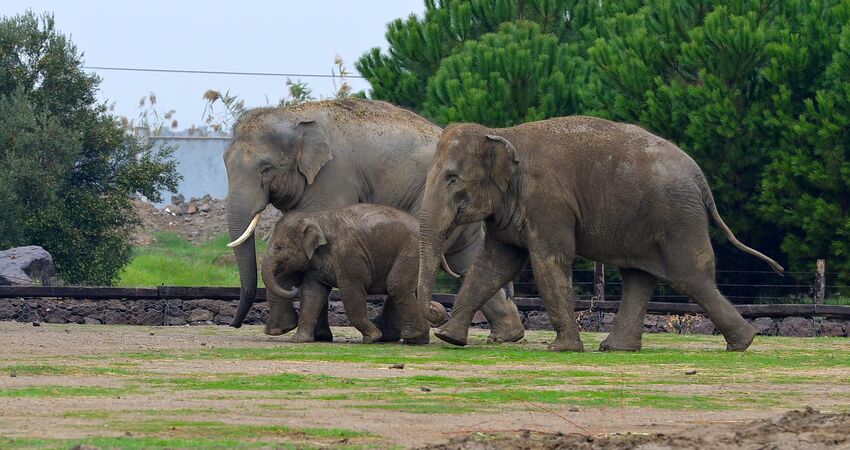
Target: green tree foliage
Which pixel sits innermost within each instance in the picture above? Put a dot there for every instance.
(515, 75)
(756, 91)
(418, 46)
(68, 168)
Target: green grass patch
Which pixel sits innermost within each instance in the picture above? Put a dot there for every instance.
(172, 260)
(62, 391)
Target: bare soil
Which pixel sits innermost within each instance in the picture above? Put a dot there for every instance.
(530, 426)
(808, 428)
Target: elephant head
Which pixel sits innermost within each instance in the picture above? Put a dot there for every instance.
(270, 159)
(293, 244)
(469, 177)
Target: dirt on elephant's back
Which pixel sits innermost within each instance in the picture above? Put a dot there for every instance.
(807, 428)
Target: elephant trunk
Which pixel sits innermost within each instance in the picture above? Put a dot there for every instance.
(271, 282)
(239, 219)
(431, 242)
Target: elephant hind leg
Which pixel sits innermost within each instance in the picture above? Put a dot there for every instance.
(628, 325)
(691, 272)
(739, 334)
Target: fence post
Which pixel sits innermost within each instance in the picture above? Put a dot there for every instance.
(820, 282)
(599, 282)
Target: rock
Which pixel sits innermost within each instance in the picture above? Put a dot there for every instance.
(765, 326)
(831, 328)
(200, 315)
(149, 317)
(174, 321)
(797, 326)
(397, 366)
(227, 310)
(92, 321)
(192, 208)
(57, 315)
(205, 207)
(7, 310)
(116, 317)
(221, 319)
(574, 408)
(206, 198)
(21, 266)
(537, 320)
(178, 199)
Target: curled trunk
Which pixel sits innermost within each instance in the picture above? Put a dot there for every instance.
(272, 285)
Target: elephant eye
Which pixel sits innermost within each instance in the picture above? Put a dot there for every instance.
(451, 179)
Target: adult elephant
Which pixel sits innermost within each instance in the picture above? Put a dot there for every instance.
(329, 154)
(550, 190)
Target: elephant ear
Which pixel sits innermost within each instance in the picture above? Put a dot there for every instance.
(313, 151)
(501, 159)
(314, 237)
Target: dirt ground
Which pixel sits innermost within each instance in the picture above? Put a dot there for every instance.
(59, 383)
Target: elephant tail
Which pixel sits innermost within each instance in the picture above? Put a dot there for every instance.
(711, 206)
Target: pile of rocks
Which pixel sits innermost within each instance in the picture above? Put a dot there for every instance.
(198, 220)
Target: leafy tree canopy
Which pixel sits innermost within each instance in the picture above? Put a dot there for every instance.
(68, 168)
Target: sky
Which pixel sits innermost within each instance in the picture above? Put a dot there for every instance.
(234, 36)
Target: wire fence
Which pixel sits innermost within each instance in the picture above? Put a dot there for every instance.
(740, 287)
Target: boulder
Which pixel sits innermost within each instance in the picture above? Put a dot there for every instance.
(765, 326)
(833, 328)
(797, 326)
(200, 315)
(177, 199)
(22, 266)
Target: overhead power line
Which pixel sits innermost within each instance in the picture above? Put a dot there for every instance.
(220, 72)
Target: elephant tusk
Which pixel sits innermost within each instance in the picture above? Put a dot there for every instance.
(448, 269)
(248, 232)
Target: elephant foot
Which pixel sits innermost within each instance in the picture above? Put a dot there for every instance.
(324, 335)
(741, 342)
(389, 333)
(417, 336)
(418, 340)
(450, 337)
(372, 336)
(563, 344)
(277, 330)
(510, 330)
(302, 337)
(614, 344)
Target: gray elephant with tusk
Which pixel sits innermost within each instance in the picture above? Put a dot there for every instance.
(361, 249)
(550, 190)
(330, 154)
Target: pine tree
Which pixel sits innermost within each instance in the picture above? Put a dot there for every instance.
(418, 46)
(516, 75)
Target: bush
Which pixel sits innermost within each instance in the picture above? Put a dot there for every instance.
(69, 170)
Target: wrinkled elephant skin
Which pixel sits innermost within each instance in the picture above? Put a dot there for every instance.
(550, 190)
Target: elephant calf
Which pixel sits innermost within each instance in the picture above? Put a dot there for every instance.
(361, 249)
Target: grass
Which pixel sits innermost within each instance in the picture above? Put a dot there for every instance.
(220, 406)
(172, 260)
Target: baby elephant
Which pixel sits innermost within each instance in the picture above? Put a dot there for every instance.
(361, 249)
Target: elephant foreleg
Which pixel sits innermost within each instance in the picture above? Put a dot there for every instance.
(314, 311)
(501, 313)
(496, 265)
